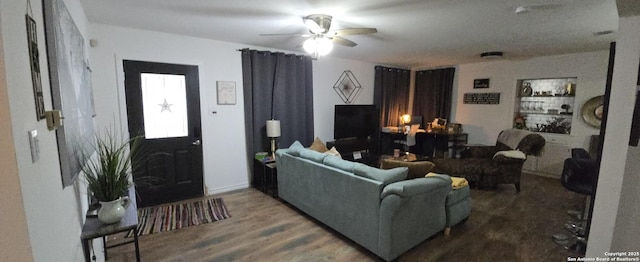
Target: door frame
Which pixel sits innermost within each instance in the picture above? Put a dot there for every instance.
(122, 118)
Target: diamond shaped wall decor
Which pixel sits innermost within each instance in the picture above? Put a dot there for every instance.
(347, 87)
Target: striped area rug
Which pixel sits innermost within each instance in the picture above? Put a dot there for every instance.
(175, 216)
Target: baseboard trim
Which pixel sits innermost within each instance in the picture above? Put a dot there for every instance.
(227, 189)
(541, 174)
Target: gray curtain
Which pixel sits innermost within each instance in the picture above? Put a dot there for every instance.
(432, 94)
(277, 86)
(391, 94)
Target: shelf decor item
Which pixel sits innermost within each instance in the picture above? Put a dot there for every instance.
(108, 175)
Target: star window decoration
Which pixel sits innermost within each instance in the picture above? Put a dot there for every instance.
(347, 87)
(165, 106)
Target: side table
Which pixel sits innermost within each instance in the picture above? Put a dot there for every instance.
(265, 177)
(95, 229)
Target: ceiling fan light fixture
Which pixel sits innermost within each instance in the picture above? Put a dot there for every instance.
(320, 44)
(489, 55)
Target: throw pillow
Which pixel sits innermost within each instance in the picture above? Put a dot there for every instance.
(517, 154)
(318, 146)
(333, 152)
(417, 169)
(294, 149)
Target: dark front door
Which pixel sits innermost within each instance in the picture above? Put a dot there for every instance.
(163, 110)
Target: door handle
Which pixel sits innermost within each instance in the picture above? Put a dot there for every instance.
(196, 143)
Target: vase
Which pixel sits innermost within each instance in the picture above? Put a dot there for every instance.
(113, 211)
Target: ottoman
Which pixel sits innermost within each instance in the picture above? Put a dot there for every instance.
(457, 206)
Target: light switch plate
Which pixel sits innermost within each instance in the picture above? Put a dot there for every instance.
(212, 111)
(34, 145)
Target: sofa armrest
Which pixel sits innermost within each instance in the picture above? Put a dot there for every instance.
(408, 188)
(410, 212)
(479, 151)
(508, 160)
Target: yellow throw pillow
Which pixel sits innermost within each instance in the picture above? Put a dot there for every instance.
(318, 146)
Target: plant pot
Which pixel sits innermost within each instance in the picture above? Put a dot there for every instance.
(113, 211)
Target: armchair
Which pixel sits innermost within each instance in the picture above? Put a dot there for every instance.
(481, 166)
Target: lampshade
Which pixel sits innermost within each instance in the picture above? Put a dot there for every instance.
(405, 118)
(273, 128)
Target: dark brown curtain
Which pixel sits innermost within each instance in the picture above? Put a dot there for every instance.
(391, 94)
(432, 94)
(277, 86)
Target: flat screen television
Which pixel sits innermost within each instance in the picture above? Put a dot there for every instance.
(355, 121)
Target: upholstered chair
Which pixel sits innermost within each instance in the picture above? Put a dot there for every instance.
(483, 166)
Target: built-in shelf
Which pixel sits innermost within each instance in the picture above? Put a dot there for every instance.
(540, 104)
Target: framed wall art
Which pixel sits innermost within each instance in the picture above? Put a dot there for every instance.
(70, 88)
(34, 61)
(226, 92)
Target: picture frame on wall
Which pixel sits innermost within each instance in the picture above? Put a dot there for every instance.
(481, 83)
(226, 92)
(34, 61)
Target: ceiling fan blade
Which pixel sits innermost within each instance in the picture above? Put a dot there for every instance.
(344, 42)
(353, 31)
(301, 35)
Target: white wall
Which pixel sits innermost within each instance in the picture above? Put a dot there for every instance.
(53, 214)
(223, 139)
(484, 122)
(13, 221)
(617, 195)
(225, 162)
(326, 71)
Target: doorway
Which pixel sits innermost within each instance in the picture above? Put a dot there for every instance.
(163, 112)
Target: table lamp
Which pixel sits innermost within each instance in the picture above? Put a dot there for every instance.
(273, 132)
(404, 120)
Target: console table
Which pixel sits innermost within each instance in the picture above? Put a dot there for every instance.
(95, 229)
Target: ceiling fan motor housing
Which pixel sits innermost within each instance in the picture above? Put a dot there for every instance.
(324, 21)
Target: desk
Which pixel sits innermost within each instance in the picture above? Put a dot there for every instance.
(432, 144)
(95, 229)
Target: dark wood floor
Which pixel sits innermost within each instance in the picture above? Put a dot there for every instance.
(503, 226)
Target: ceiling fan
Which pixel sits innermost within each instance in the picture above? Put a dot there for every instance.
(321, 38)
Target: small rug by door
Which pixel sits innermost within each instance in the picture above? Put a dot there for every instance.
(175, 216)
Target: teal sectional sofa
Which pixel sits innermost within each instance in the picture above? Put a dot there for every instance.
(378, 209)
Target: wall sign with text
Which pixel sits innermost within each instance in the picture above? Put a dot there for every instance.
(481, 83)
(481, 98)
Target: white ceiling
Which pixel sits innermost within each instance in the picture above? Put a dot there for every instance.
(411, 33)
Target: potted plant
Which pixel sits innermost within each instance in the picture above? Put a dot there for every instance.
(107, 174)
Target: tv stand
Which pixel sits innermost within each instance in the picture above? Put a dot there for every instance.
(365, 145)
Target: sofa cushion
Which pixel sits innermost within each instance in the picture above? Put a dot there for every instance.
(294, 149)
(339, 163)
(385, 176)
(312, 155)
(318, 146)
(416, 169)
